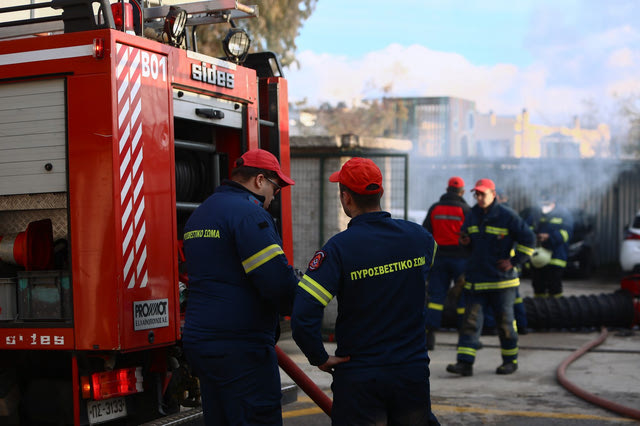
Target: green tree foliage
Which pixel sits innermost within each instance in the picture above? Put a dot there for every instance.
(276, 28)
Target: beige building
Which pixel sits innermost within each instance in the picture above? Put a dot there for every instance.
(508, 136)
(452, 127)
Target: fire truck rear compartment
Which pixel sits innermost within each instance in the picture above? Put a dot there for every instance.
(35, 386)
(201, 125)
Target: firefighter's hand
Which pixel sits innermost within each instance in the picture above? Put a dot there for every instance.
(543, 237)
(328, 366)
(464, 239)
(505, 264)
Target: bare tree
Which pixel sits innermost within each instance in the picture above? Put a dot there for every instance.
(374, 118)
(630, 110)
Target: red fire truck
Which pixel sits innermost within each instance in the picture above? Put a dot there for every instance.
(112, 130)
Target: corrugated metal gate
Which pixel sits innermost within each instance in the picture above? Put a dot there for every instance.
(317, 213)
(606, 189)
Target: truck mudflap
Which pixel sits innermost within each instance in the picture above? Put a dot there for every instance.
(194, 416)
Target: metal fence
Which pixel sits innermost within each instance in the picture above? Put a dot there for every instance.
(317, 213)
(604, 189)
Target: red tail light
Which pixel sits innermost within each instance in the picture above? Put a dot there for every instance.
(98, 48)
(110, 384)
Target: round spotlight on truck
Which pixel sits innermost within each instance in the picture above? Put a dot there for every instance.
(174, 24)
(236, 45)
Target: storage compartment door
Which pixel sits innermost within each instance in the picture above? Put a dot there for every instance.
(33, 137)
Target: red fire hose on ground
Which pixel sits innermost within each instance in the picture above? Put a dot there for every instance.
(305, 383)
(594, 399)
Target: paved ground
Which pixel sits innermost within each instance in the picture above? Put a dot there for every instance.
(531, 396)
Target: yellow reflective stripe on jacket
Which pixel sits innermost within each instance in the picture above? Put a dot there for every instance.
(524, 249)
(517, 300)
(466, 351)
(556, 220)
(312, 287)
(565, 235)
(473, 229)
(261, 257)
(558, 262)
(493, 285)
(435, 306)
(433, 256)
(509, 352)
(496, 231)
(460, 311)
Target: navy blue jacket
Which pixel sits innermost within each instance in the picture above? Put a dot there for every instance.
(377, 268)
(493, 236)
(239, 278)
(558, 223)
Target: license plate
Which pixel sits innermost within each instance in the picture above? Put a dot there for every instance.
(103, 411)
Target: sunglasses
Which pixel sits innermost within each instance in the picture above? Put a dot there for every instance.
(277, 187)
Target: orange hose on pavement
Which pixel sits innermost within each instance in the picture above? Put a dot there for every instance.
(594, 399)
(305, 383)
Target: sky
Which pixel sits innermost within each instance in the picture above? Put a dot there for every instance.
(552, 57)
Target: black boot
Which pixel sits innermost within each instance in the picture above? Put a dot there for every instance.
(507, 368)
(431, 340)
(461, 368)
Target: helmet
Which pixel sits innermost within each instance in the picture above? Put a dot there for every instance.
(540, 257)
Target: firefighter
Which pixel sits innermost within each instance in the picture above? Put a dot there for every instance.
(239, 284)
(444, 220)
(553, 229)
(491, 230)
(518, 307)
(377, 267)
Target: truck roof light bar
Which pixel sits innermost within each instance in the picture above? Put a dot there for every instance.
(202, 13)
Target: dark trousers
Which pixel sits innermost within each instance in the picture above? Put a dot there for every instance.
(240, 387)
(519, 313)
(501, 301)
(547, 281)
(381, 396)
(445, 270)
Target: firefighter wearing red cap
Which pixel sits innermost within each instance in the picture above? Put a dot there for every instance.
(377, 268)
(239, 284)
(491, 231)
(444, 220)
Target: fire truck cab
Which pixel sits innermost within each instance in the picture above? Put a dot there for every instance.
(112, 130)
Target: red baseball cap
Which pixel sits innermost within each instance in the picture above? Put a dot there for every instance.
(483, 185)
(261, 159)
(456, 182)
(360, 175)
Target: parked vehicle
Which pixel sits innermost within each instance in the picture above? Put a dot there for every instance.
(630, 247)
